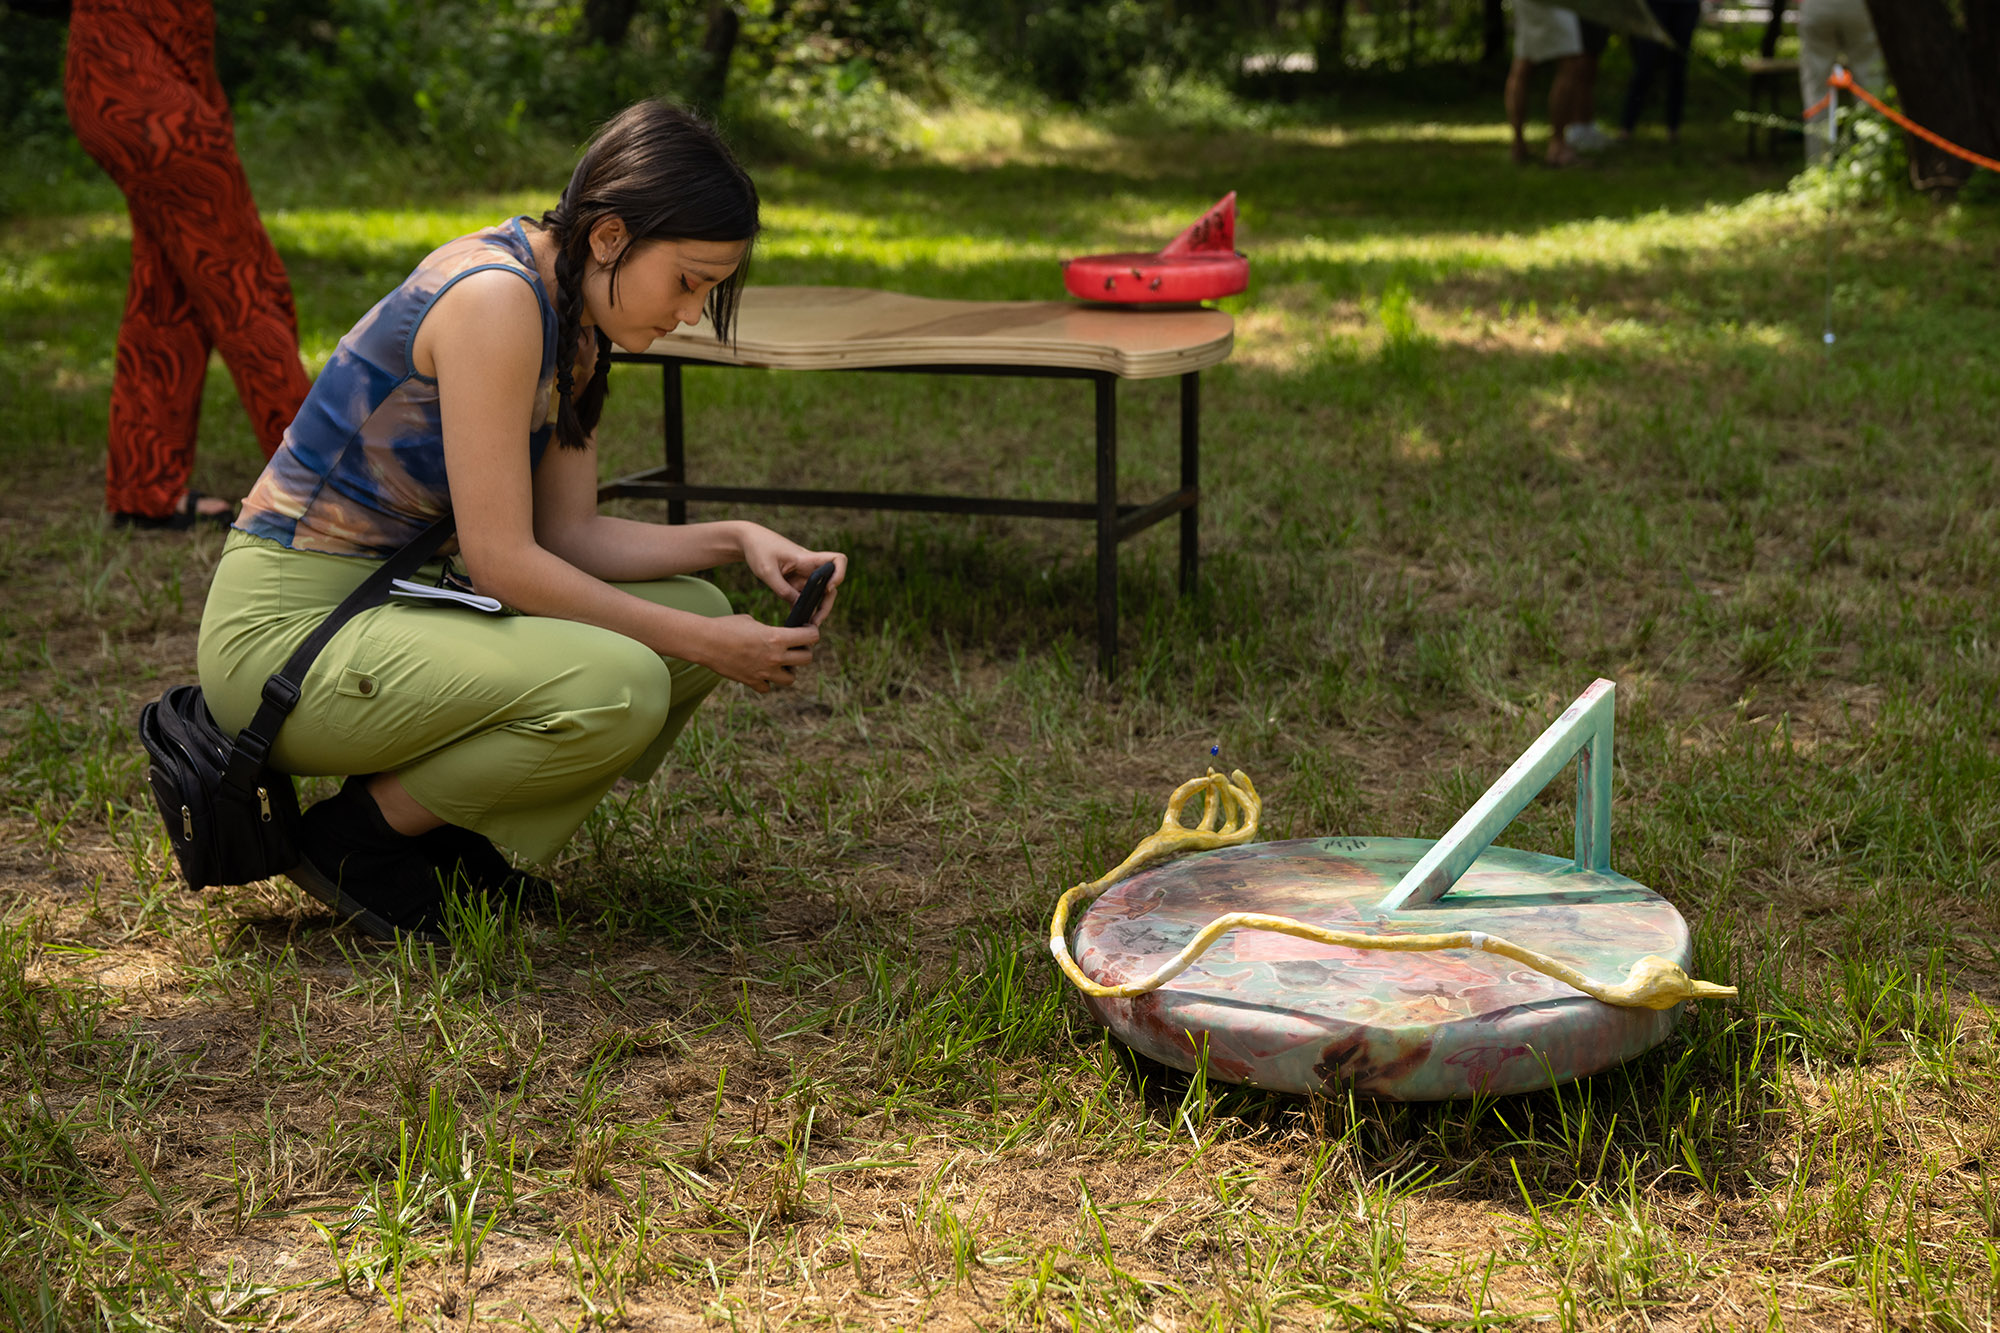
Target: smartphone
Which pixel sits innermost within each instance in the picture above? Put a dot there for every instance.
(810, 597)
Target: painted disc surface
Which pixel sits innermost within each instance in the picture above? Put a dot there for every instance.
(1141, 279)
(1299, 1016)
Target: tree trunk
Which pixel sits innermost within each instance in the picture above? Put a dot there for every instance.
(1330, 42)
(717, 45)
(605, 22)
(1493, 46)
(1945, 78)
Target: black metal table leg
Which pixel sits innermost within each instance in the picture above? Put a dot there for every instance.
(1115, 522)
(674, 424)
(1107, 525)
(1190, 479)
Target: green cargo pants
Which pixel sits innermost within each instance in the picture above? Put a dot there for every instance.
(512, 726)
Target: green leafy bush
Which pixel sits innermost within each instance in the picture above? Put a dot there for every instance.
(1872, 166)
(31, 66)
(1088, 52)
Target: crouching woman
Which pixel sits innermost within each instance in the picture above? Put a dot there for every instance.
(456, 729)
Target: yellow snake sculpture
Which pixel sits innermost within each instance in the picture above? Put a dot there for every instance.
(1230, 813)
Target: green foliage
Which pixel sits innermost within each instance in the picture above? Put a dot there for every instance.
(474, 78)
(1402, 341)
(1087, 53)
(907, 44)
(31, 63)
(1872, 165)
(468, 77)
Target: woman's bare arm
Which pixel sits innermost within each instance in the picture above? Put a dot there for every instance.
(568, 524)
(483, 338)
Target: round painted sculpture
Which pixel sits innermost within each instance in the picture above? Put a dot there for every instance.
(1301, 1016)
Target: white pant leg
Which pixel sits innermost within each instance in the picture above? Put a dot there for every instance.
(1545, 32)
(1864, 52)
(1834, 32)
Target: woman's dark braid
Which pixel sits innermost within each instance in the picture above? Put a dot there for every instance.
(570, 250)
(590, 402)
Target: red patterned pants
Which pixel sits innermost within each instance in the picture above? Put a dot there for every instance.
(145, 102)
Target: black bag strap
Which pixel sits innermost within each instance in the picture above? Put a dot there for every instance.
(281, 692)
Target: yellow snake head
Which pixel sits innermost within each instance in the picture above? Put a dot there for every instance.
(1230, 811)
(1656, 983)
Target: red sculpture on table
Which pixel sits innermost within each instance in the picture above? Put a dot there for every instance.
(1200, 264)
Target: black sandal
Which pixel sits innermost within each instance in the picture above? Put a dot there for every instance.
(181, 520)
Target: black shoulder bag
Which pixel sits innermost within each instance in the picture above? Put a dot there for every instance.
(233, 818)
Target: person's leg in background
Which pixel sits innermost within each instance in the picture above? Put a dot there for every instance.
(248, 307)
(1518, 75)
(1834, 32)
(1819, 51)
(142, 96)
(1650, 60)
(1861, 48)
(1584, 136)
(156, 385)
(1564, 91)
(1647, 57)
(1562, 95)
(233, 278)
(1680, 18)
(1543, 33)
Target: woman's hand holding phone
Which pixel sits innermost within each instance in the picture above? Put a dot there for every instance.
(785, 567)
(807, 606)
(767, 657)
(764, 657)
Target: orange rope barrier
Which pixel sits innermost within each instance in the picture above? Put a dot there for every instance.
(1840, 78)
(1815, 108)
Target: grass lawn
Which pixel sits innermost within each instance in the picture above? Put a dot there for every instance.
(794, 1054)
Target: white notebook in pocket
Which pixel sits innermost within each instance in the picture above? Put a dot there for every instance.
(421, 592)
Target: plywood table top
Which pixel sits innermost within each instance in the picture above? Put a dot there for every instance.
(856, 328)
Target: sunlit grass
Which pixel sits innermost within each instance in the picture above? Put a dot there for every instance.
(792, 1053)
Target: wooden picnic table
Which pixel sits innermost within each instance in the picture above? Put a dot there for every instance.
(853, 328)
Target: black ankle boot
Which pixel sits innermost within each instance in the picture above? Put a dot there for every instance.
(381, 880)
(460, 851)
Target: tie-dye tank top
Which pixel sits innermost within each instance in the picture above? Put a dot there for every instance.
(361, 470)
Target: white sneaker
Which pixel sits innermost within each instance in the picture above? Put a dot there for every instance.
(1585, 137)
